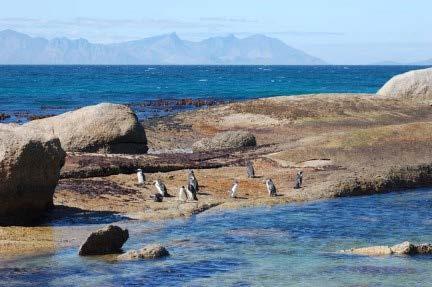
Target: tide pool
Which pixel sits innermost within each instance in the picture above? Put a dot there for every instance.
(286, 245)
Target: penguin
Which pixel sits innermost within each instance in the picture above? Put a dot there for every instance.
(161, 188)
(271, 188)
(250, 169)
(191, 191)
(192, 180)
(234, 188)
(140, 176)
(298, 180)
(183, 197)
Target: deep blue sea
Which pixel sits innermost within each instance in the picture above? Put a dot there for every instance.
(286, 245)
(47, 90)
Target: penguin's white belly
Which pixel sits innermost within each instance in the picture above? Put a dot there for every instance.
(234, 191)
(189, 194)
(140, 178)
(182, 195)
(160, 191)
(269, 189)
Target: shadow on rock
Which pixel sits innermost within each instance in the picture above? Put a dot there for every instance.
(65, 216)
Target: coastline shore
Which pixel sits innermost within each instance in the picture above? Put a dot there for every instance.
(346, 145)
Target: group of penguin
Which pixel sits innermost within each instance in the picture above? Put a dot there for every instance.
(189, 193)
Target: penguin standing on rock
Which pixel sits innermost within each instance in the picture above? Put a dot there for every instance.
(140, 177)
(191, 192)
(271, 188)
(192, 180)
(183, 197)
(250, 169)
(161, 188)
(298, 180)
(234, 188)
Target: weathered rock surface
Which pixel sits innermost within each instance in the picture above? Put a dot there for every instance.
(147, 252)
(30, 163)
(371, 251)
(108, 128)
(413, 85)
(225, 140)
(424, 248)
(108, 240)
(404, 248)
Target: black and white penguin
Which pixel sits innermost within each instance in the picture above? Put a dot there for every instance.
(250, 169)
(161, 188)
(192, 180)
(299, 180)
(140, 176)
(234, 188)
(271, 188)
(191, 192)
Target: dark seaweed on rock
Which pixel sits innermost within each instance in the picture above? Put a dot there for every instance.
(4, 116)
(38, 117)
(95, 188)
(179, 102)
(86, 165)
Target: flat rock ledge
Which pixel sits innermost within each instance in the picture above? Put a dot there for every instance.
(153, 251)
(404, 248)
(108, 240)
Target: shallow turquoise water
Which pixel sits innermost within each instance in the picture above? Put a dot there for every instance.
(288, 245)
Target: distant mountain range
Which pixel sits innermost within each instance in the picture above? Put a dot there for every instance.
(18, 48)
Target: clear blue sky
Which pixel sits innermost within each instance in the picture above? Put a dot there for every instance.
(338, 31)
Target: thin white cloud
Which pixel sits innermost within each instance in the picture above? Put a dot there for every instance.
(102, 30)
(307, 33)
(229, 20)
(104, 23)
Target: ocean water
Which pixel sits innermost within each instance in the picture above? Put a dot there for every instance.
(46, 90)
(286, 245)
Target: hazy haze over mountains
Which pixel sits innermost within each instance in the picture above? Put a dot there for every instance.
(18, 48)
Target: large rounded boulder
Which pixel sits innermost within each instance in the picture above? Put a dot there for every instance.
(414, 85)
(108, 240)
(30, 163)
(108, 128)
(225, 140)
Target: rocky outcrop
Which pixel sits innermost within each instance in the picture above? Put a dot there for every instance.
(404, 248)
(423, 249)
(147, 252)
(370, 251)
(225, 140)
(413, 85)
(107, 128)
(108, 240)
(30, 163)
